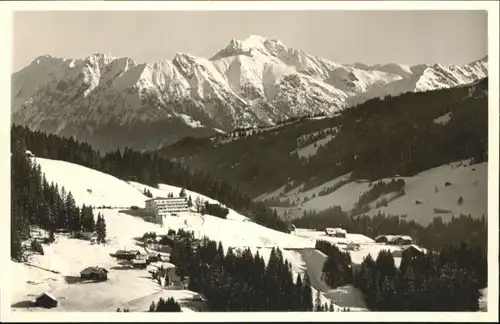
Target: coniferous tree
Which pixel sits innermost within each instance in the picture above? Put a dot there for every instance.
(317, 302)
(101, 229)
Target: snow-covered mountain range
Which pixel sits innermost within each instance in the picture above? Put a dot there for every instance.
(111, 102)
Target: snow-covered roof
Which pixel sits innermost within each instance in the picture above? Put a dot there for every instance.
(394, 237)
(416, 247)
(336, 230)
(388, 237)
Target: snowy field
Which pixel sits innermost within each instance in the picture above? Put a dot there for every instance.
(424, 193)
(134, 289)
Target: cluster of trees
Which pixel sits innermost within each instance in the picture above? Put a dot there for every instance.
(36, 202)
(277, 202)
(446, 281)
(333, 188)
(435, 235)
(337, 269)
(412, 143)
(215, 210)
(147, 193)
(147, 168)
(238, 280)
(376, 190)
(169, 305)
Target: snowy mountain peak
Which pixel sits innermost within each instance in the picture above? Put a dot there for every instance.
(100, 59)
(250, 82)
(255, 40)
(253, 45)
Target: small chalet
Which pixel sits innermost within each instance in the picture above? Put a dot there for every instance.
(402, 240)
(413, 251)
(384, 238)
(94, 273)
(409, 251)
(394, 239)
(336, 232)
(46, 300)
(139, 263)
(126, 255)
(154, 257)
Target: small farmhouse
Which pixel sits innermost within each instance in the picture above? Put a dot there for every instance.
(46, 300)
(336, 232)
(94, 273)
(139, 263)
(402, 240)
(394, 239)
(152, 257)
(413, 251)
(126, 255)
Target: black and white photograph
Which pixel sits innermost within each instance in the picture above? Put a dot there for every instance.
(220, 158)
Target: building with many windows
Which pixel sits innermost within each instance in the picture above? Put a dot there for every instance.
(162, 207)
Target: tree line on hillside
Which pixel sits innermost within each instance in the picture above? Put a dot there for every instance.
(444, 281)
(238, 280)
(412, 142)
(376, 190)
(435, 235)
(35, 202)
(147, 168)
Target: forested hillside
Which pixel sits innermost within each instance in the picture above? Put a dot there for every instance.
(147, 168)
(37, 203)
(380, 138)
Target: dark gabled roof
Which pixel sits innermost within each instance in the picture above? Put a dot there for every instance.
(48, 295)
(87, 270)
(90, 270)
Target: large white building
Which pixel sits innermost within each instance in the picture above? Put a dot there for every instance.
(162, 207)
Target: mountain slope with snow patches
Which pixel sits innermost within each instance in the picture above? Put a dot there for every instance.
(254, 82)
(431, 193)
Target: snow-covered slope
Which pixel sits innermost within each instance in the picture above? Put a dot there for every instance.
(427, 194)
(257, 81)
(89, 186)
(133, 289)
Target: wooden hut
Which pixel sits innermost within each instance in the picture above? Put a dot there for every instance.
(94, 273)
(46, 300)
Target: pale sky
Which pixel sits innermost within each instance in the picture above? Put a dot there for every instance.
(369, 37)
